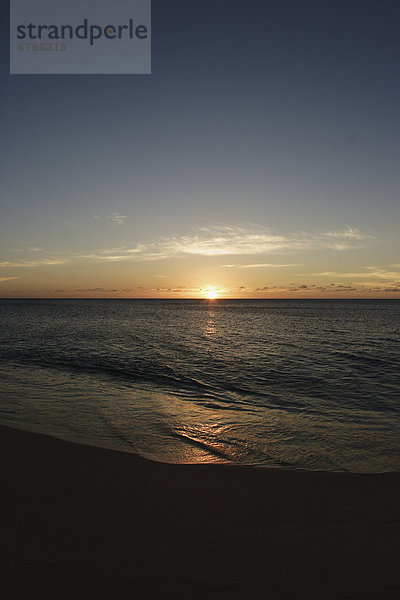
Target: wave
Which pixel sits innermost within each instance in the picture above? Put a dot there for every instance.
(210, 448)
(221, 395)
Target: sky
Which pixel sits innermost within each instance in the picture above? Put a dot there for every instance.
(260, 159)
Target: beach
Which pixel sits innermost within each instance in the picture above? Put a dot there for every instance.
(85, 522)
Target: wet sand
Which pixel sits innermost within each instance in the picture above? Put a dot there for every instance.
(80, 522)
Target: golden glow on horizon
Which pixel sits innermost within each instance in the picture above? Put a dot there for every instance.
(211, 292)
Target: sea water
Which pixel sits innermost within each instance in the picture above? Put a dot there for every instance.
(307, 384)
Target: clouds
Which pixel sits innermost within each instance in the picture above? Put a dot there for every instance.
(117, 219)
(345, 239)
(369, 272)
(7, 279)
(28, 263)
(315, 290)
(258, 262)
(253, 240)
(226, 240)
(262, 266)
(208, 242)
(34, 263)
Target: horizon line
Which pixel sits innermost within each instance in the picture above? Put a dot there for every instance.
(177, 298)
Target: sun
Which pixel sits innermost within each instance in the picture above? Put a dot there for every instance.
(211, 292)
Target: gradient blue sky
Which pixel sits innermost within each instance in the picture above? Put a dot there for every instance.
(260, 158)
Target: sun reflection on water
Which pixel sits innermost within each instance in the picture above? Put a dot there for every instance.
(210, 327)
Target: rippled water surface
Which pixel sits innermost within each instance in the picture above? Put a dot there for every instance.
(305, 384)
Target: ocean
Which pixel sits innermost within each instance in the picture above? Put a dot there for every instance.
(305, 384)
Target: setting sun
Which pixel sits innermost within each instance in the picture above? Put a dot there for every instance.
(211, 293)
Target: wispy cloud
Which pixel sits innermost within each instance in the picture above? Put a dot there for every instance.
(117, 218)
(34, 263)
(97, 289)
(7, 278)
(314, 288)
(28, 249)
(349, 232)
(307, 288)
(183, 289)
(227, 240)
(344, 239)
(262, 266)
(369, 272)
(223, 240)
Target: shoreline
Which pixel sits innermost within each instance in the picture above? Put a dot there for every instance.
(80, 521)
(130, 450)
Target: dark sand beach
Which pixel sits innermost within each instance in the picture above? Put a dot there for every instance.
(80, 522)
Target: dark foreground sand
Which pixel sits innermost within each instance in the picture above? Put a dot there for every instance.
(85, 523)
